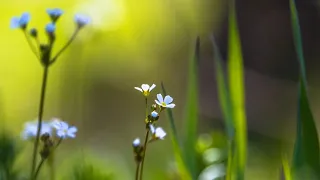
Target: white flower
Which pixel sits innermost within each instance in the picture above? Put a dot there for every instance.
(145, 89)
(158, 133)
(31, 129)
(63, 129)
(136, 142)
(166, 102)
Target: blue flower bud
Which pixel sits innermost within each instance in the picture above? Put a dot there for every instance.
(20, 22)
(34, 32)
(81, 20)
(54, 14)
(50, 28)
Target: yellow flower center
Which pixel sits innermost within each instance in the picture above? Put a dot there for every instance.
(163, 104)
(146, 93)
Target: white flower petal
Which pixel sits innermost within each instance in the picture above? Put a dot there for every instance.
(152, 129)
(139, 89)
(71, 135)
(145, 87)
(72, 129)
(160, 98)
(158, 102)
(160, 133)
(61, 134)
(168, 99)
(170, 106)
(152, 87)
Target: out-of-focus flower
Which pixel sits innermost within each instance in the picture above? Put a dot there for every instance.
(81, 20)
(20, 22)
(50, 28)
(63, 129)
(54, 14)
(145, 89)
(157, 133)
(166, 102)
(31, 128)
(136, 142)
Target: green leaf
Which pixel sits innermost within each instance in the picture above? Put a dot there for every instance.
(306, 150)
(236, 81)
(225, 103)
(175, 142)
(192, 113)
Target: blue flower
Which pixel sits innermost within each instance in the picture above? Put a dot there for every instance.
(54, 13)
(31, 128)
(81, 20)
(63, 129)
(50, 28)
(20, 22)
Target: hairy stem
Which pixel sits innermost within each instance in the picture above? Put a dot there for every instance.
(40, 115)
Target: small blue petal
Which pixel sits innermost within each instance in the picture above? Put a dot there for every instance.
(82, 20)
(14, 23)
(56, 12)
(24, 19)
(50, 28)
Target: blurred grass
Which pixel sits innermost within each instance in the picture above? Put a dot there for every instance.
(306, 150)
(236, 87)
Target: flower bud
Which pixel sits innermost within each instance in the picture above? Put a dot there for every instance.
(34, 32)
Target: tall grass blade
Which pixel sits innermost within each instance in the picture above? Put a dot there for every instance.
(192, 113)
(175, 142)
(225, 103)
(306, 150)
(286, 168)
(236, 81)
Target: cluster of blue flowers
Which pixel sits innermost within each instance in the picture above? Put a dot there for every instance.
(43, 51)
(46, 135)
(54, 14)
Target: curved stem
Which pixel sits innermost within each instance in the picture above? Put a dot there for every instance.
(144, 153)
(72, 38)
(40, 115)
(33, 49)
(38, 169)
(137, 171)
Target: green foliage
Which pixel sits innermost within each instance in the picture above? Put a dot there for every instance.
(306, 157)
(8, 155)
(88, 171)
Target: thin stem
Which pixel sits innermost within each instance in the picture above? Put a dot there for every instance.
(38, 169)
(33, 49)
(137, 171)
(72, 38)
(144, 153)
(40, 115)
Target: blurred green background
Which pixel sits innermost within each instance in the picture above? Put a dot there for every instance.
(130, 43)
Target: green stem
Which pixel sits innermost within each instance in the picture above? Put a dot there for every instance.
(33, 49)
(144, 153)
(38, 169)
(137, 171)
(40, 115)
(72, 38)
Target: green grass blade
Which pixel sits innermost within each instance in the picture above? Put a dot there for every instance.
(236, 81)
(306, 151)
(192, 113)
(286, 168)
(175, 142)
(225, 103)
